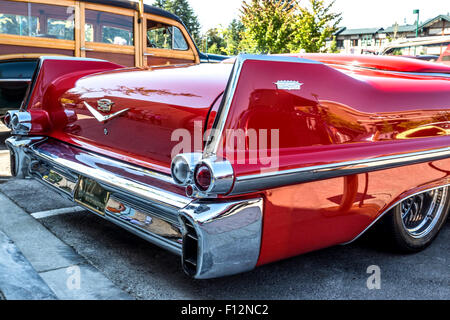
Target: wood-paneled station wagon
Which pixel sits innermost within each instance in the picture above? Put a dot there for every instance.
(124, 32)
(238, 164)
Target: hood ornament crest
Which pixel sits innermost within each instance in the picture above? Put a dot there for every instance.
(288, 85)
(100, 117)
(104, 105)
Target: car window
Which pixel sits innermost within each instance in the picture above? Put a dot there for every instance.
(37, 20)
(109, 28)
(164, 36)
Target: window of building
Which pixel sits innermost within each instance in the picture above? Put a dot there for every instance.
(366, 41)
(108, 28)
(37, 20)
(164, 36)
(354, 42)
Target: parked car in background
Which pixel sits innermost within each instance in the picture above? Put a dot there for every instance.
(445, 56)
(421, 46)
(114, 30)
(300, 152)
(430, 58)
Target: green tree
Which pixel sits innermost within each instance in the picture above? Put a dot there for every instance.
(232, 37)
(268, 25)
(314, 25)
(333, 46)
(182, 9)
(213, 42)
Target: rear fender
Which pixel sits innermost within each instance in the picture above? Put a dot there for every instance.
(330, 123)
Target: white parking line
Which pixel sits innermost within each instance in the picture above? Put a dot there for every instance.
(56, 212)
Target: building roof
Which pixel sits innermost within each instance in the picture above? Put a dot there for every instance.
(343, 31)
(338, 32)
(404, 28)
(441, 17)
(350, 32)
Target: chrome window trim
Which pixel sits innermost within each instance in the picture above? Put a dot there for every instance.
(263, 181)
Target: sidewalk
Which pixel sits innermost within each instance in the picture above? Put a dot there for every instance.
(30, 251)
(18, 279)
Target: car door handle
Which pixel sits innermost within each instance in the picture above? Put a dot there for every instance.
(86, 49)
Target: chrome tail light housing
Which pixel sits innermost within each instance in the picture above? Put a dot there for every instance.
(203, 177)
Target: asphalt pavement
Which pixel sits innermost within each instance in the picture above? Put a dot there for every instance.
(140, 270)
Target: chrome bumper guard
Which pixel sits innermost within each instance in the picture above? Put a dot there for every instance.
(214, 238)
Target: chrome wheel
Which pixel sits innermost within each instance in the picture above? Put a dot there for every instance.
(421, 213)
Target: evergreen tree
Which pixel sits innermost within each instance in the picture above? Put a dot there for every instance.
(213, 42)
(182, 9)
(233, 37)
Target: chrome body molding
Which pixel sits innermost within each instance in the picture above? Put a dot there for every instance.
(15, 80)
(264, 181)
(224, 237)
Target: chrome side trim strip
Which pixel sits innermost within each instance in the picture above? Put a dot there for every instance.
(390, 208)
(214, 139)
(258, 182)
(15, 80)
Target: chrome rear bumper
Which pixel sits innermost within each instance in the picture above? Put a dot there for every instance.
(214, 238)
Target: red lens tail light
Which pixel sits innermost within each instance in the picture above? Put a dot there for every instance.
(203, 177)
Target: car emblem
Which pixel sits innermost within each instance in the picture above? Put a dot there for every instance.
(104, 105)
(288, 85)
(102, 118)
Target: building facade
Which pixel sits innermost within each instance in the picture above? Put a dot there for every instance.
(375, 40)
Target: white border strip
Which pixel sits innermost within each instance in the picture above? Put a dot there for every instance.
(56, 212)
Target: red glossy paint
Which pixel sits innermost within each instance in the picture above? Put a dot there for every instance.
(160, 101)
(316, 215)
(389, 63)
(338, 115)
(341, 113)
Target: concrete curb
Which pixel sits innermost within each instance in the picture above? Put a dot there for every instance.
(18, 279)
(54, 261)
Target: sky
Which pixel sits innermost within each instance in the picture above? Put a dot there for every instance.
(356, 14)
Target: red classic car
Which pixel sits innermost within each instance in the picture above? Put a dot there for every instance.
(246, 162)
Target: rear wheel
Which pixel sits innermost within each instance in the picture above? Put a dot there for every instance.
(415, 222)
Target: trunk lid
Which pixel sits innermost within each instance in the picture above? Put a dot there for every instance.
(146, 107)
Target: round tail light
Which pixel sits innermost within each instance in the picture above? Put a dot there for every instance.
(6, 120)
(203, 177)
(180, 171)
